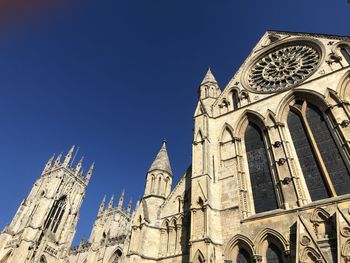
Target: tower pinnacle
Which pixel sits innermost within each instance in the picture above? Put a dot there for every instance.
(161, 162)
(121, 199)
(68, 157)
(209, 77)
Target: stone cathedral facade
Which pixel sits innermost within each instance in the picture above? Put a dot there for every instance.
(269, 180)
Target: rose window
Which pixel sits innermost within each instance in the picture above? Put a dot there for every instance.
(283, 68)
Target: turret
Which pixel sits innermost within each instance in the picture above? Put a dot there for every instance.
(89, 173)
(159, 175)
(58, 160)
(209, 87)
(79, 165)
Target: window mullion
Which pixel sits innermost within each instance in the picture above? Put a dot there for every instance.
(316, 150)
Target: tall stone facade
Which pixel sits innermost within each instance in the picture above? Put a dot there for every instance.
(269, 180)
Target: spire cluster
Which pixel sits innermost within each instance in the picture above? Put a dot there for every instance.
(67, 163)
(111, 206)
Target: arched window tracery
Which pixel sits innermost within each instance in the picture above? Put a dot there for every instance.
(236, 103)
(263, 186)
(345, 52)
(323, 165)
(55, 215)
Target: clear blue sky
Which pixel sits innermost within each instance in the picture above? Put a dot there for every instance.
(116, 77)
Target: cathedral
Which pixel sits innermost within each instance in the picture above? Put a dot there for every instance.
(269, 180)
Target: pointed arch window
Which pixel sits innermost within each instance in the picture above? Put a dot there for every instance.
(259, 169)
(322, 163)
(55, 215)
(273, 254)
(235, 99)
(345, 51)
(243, 256)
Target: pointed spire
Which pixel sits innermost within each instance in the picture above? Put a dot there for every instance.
(49, 164)
(161, 162)
(121, 199)
(102, 205)
(79, 165)
(129, 206)
(111, 201)
(68, 157)
(89, 173)
(209, 77)
(58, 160)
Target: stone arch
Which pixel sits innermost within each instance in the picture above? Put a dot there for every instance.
(198, 257)
(345, 251)
(310, 255)
(199, 136)
(310, 95)
(226, 143)
(116, 256)
(273, 236)
(226, 133)
(243, 120)
(6, 257)
(343, 88)
(322, 222)
(238, 242)
(42, 259)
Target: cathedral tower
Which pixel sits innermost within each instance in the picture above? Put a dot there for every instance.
(43, 228)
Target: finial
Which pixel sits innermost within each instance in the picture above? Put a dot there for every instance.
(102, 205)
(121, 199)
(89, 173)
(49, 164)
(58, 160)
(129, 206)
(79, 165)
(111, 201)
(68, 157)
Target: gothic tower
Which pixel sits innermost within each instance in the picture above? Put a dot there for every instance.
(44, 226)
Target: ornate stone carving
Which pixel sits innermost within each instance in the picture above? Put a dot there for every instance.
(283, 68)
(305, 241)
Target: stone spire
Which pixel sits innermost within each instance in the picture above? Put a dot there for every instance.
(79, 165)
(102, 205)
(58, 160)
(68, 157)
(129, 207)
(49, 164)
(209, 88)
(209, 77)
(111, 201)
(161, 162)
(89, 173)
(121, 199)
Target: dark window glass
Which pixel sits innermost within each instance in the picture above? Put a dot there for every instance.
(259, 170)
(331, 156)
(243, 256)
(56, 213)
(312, 173)
(235, 99)
(273, 254)
(345, 51)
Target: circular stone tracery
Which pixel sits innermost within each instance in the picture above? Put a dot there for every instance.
(283, 68)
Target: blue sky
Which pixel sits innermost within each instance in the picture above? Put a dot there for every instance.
(116, 77)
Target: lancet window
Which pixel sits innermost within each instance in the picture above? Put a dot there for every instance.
(263, 186)
(235, 99)
(55, 215)
(273, 254)
(243, 256)
(321, 160)
(345, 51)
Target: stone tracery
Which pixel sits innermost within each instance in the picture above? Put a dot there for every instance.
(283, 68)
